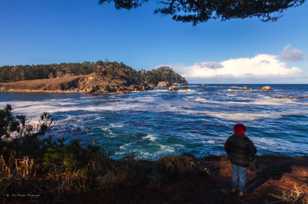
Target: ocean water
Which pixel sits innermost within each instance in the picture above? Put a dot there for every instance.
(157, 123)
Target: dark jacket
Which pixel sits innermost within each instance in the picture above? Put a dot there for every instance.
(240, 150)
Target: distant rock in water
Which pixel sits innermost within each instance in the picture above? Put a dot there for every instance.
(96, 78)
(266, 88)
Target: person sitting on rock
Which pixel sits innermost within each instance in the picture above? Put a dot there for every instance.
(241, 151)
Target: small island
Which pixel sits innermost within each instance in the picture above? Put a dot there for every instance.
(94, 78)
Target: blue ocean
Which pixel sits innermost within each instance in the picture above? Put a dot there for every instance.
(157, 123)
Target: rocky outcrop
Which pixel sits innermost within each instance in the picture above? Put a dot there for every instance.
(163, 85)
(164, 75)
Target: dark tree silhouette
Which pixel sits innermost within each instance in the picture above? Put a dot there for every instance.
(197, 11)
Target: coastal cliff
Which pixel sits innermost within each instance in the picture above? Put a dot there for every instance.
(96, 78)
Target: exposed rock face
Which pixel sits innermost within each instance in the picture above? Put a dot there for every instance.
(100, 84)
(105, 78)
(163, 85)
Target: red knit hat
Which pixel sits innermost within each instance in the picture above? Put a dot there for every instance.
(239, 129)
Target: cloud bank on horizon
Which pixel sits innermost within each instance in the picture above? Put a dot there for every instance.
(262, 68)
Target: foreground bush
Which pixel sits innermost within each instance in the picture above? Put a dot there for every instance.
(26, 155)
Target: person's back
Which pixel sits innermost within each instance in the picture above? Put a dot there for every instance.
(241, 151)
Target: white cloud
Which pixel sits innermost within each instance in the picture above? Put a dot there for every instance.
(292, 54)
(260, 68)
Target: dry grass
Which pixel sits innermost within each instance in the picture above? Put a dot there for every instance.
(295, 195)
(41, 85)
(23, 167)
(4, 168)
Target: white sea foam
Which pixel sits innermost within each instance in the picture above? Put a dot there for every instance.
(124, 147)
(166, 148)
(273, 101)
(108, 132)
(33, 109)
(211, 141)
(268, 101)
(201, 100)
(247, 116)
(241, 116)
(282, 145)
(150, 137)
(222, 102)
(141, 99)
(116, 125)
(186, 91)
(143, 152)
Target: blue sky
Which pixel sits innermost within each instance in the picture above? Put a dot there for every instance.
(54, 31)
